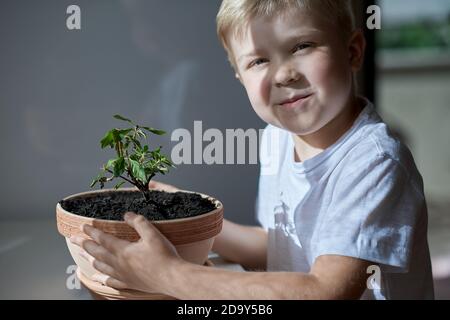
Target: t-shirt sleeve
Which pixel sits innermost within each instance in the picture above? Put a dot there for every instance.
(372, 215)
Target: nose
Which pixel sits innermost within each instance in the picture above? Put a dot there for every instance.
(285, 75)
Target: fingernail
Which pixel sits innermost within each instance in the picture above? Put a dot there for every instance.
(75, 239)
(100, 278)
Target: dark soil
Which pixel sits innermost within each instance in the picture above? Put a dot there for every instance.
(162, 205)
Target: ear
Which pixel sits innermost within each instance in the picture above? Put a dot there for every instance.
(356, 49)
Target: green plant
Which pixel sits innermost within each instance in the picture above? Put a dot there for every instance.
(138, 162)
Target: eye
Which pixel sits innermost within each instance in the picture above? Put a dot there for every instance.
(301, 46)
(257, 62)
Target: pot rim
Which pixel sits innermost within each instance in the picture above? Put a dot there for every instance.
(219, 206)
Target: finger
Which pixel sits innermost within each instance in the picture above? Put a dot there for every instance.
(162, 186)
(76, 240)
(138, 222)
(107, 241)
(104, 268)
(109, 281)
(86, 256)
(154, 184)
(93, 249)
(98, 265)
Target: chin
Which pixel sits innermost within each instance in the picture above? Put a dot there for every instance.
(300, 132)
(296, 128)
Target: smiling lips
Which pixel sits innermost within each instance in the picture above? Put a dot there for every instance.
(296, 100)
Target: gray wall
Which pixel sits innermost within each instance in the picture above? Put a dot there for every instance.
(158, 62)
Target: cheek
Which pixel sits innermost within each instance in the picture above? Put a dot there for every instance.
(329, 77)
(258, 91)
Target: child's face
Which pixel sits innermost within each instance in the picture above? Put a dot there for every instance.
(296, 69)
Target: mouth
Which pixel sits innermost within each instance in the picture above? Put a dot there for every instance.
(295, 101)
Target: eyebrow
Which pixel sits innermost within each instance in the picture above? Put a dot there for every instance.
(289, 39)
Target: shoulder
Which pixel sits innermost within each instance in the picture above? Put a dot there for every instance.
(386, 144)
(380, 154)
(378, 141)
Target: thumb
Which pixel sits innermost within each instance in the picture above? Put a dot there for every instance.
(138, 222)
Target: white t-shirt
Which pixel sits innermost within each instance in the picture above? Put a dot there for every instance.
(362, 197)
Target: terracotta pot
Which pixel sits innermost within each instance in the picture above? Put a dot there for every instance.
(192, 237)
(102, 292)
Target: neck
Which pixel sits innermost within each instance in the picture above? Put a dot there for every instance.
(308, 146)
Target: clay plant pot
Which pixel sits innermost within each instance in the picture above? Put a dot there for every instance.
(192, 237)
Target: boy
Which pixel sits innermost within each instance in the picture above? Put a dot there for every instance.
(339, 196)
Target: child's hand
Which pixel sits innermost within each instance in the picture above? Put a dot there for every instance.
(162, 186)
(141, 265)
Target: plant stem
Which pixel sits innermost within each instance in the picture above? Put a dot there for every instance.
(150, 178)
(121, 177)
(118, 149)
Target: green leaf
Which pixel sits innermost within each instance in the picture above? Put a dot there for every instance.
(141, 133)
(108, 139)
(119, 166)
(122, 133)
(100, 179)
(117, 186)
(149, 170)
(116, 135)
(119, 117)
(138, 171)
(97, 179)
(110, 164)
(93, 183)
(113, 136)
(168, 162)
(155, 131)
(136, 142)
(134, 157)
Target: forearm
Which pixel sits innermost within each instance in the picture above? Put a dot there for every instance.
(242, 244)
(214, 283)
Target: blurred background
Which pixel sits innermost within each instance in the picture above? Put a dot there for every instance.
(412, 89)
(159, 62)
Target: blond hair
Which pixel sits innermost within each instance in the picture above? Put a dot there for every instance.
(234, 15)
